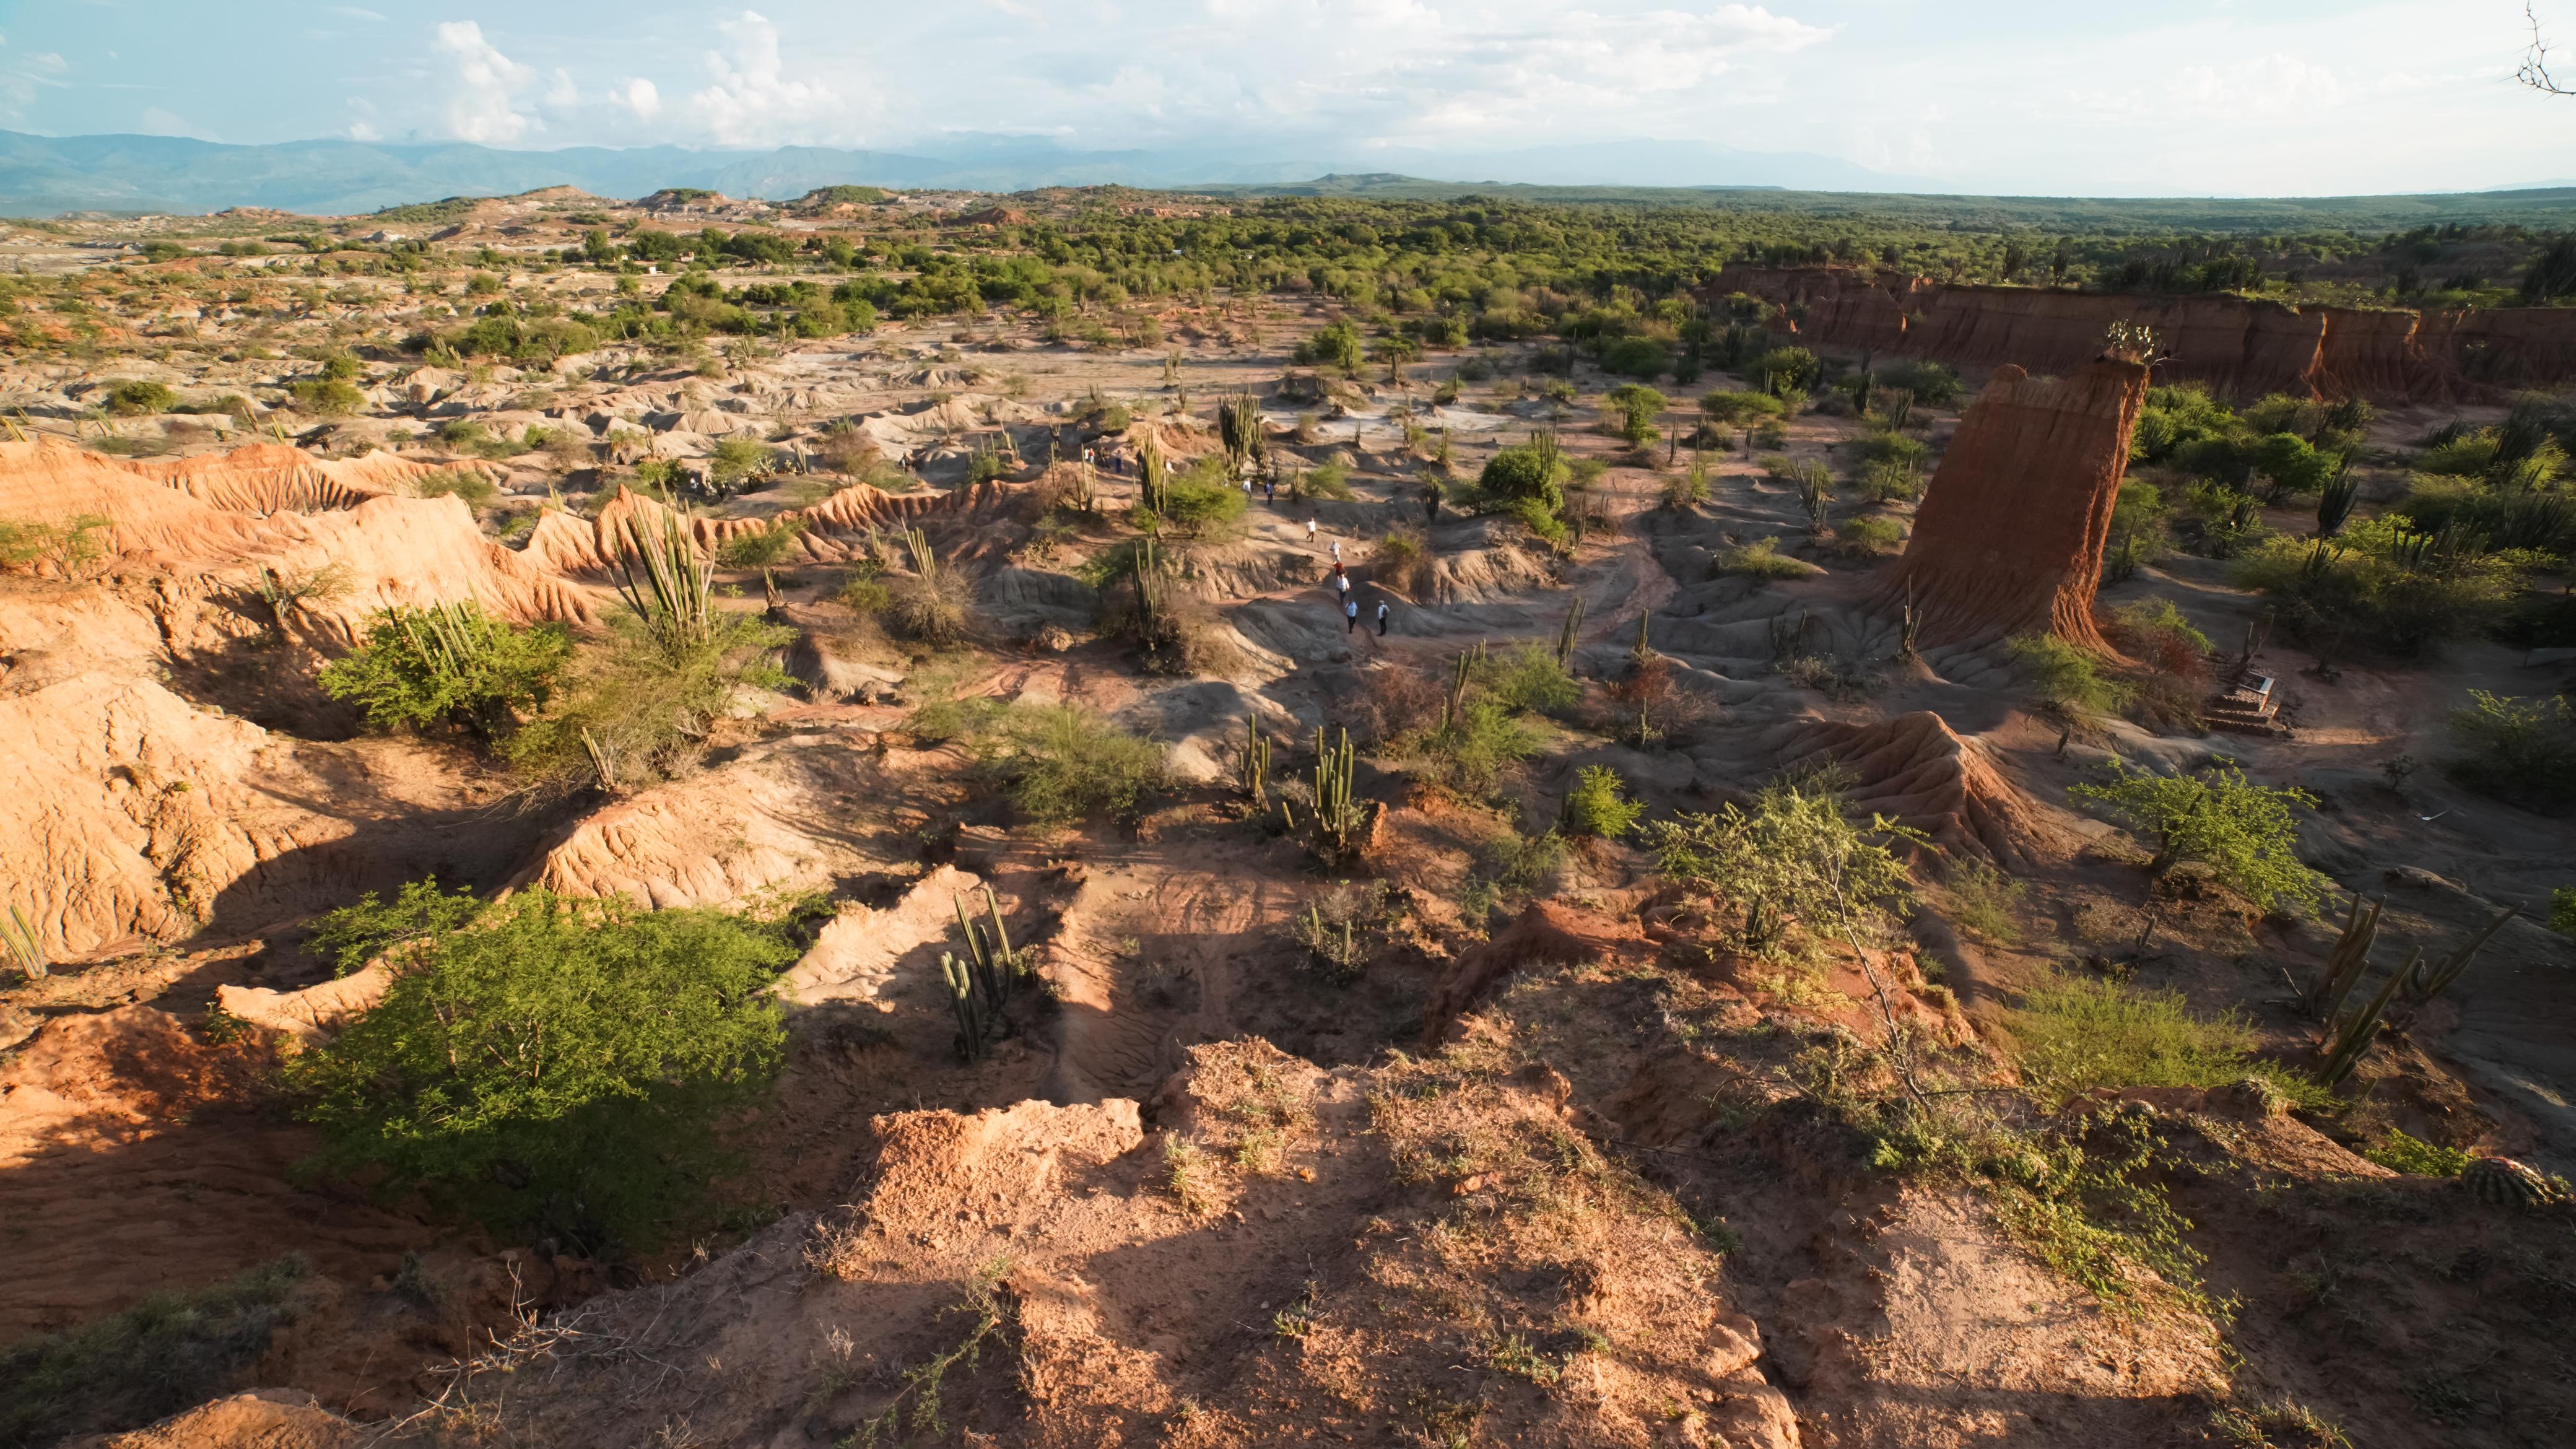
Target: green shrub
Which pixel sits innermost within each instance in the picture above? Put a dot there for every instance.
(1596, 807)
(328, 397)
(1869, 535)
(2562, 910)
(1884, 445)
(1639, 357)
(1785, 370)
(166, 1353)
(1762, 559)
(2244, 832)
(1540, 520)
(1737, 408)
(645, 699)
(2400, 1153)
(1336, 344)
(1686, 489)
(1532, 472)
(1468, 754)
(1985, 901)
(1059, 763)
(71, 547)
(2522, 750)
(762, 549)
(1332, 480)
(2074, 1036)
(2382, 585)
(449, 664)
(1201, 502)
(1882, 481)
(738, 459)
(2067, 681)
(1930, 382)
(553, 1065)
(466, 483)
(131, 398)
(1528, 678)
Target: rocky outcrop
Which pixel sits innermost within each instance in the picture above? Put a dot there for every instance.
(2012, 529)
(2234, 344)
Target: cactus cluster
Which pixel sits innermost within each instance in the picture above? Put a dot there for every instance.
(1238, 423)
(981, 985)
(925, 562)
(2349, 1034)
(1337, 807)
(666, 583)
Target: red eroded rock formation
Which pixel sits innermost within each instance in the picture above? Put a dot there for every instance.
(2012, 529)
(568, 544)
(1917, 771)
(2234, 344)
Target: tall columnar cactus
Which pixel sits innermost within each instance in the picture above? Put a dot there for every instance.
(925, 560)
(984, 980)
(2349, 1037)
(1337, 811)
(1152, 483)
(1238, 422)
(1256, 763)
(1909, 626)
(1149, 583)
(1567, 633)
(2428, 982)
(665, 582)
(2350, 957)
(970, 1020)
(2335, 500)
(20, 945)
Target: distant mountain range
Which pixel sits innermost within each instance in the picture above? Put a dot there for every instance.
(46, 175)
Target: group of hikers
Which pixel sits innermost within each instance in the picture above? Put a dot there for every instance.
(1270, 495)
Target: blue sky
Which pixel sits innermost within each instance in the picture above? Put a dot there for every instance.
(2195, 97)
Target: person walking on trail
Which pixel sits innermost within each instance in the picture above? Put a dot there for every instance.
(1350, 613)
(1310, 530)
(1381, 618)
(1342, 582)
(1270, 491)
(1337, 550)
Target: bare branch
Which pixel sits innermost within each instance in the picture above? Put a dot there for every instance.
(2534, 71)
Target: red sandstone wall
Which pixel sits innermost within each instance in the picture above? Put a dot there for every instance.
(2010, 536)
(2234, 344)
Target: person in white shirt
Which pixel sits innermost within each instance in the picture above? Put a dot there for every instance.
(1381, 618)
(1350, 613)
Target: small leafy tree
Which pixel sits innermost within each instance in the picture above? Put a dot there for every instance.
(1795, 865)
(2068, 683)
(548, 1064)
(2244, 832)
(449, 664)
(1637, 406)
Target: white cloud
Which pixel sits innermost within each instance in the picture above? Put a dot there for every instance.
(482, 106)
(752, 102)
(158, 122)
(639, 96)
(561, 93)
(22, 80)
(361, 131)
